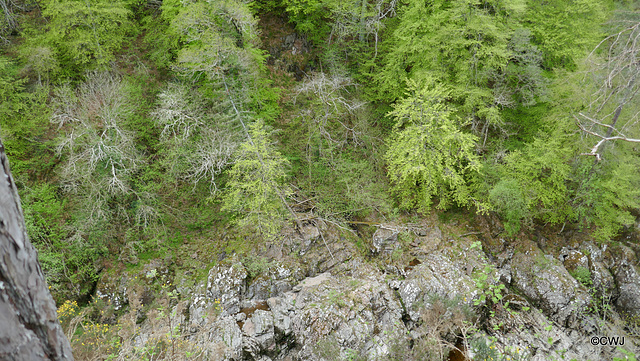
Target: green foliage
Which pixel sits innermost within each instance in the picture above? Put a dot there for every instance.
(605, 193)
(508, 200)
(185, 78)
(24, 124)
(541, 171)
(490, 289)
(487, 351)
(256, 190)
(582, 275)
(334, 151)
(161, 41)
(429, 155)
(85, 33)
(520, 82)
(464, 44)
(218, 38)
(67, 260)
(345, 187)
(309, 17)
(256, 265)
(564, 30)
(628, 355)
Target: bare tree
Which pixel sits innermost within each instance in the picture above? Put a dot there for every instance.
(612, 112)
(29, 328)
(179, 112)
(9, 10)
(332, 106)
(199, 143)
(98, 149)
(361, 18)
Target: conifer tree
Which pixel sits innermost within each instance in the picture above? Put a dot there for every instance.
(429, 155)
(256, 191)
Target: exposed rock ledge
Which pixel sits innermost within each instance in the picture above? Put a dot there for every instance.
(331, 304)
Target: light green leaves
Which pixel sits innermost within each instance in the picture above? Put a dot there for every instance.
(256, 188)
(218, 36)
(429, 155)
(87, 32)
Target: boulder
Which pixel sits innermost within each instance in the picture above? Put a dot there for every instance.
(385, 240)
(358, 313)
(227, 283)
(437, 276)
(259, 334)
(545, 281)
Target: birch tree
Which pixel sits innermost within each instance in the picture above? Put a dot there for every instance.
(612, 109)
(99, 153)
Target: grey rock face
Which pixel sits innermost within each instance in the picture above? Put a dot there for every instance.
(227, 283)
(628, 282)
(29, 328)
(349, 308)
(548, 284)
(260, 333)
(277, 280)
(385, 240)
(113, 289)
(436, 276)
(543, 340)
(360, 314)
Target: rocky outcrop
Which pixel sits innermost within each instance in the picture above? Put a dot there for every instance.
(29, 328)
(227, 284)
(319, 299)
(436, 277)
(385, 240)
(548, 285)
(627, 278)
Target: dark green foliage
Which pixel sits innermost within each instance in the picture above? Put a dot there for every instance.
(24, 121)
(162, 43)
(68, 260)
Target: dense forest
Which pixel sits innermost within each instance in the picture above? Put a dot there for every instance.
(137, 129)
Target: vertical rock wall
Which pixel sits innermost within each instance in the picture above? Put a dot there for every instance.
(29, 328)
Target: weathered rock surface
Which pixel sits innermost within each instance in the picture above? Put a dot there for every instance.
(436, 277)
(385, 240)
(112, 289)
(29, 328)
(549, 286)
(332, 304)
(227, 283)
(627, 279)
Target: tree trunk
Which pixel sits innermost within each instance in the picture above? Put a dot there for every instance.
(29, 327)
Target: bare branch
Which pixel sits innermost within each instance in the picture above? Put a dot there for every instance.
(611, 109)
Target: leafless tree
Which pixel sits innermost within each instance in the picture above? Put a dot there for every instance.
(29, 327)
(97, 147)
(332, 106)
(612, 112)
(179, 113)
(363, 19)
(199, 144)
(9, 16)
